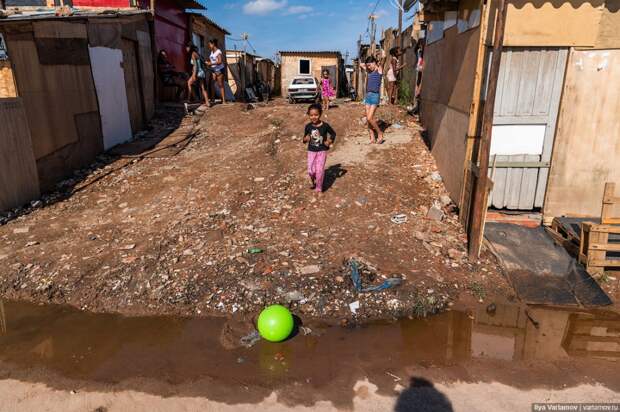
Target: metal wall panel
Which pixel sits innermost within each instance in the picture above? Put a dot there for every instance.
(529, 89)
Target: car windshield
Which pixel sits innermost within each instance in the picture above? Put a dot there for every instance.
(304, 81)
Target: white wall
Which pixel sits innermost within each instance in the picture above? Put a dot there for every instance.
(109, 80)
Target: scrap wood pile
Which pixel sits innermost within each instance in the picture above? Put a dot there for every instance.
(229, 226)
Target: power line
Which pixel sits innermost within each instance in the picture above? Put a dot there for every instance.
(371, 16)
(397, 5)
(376, 5)
(250, 44)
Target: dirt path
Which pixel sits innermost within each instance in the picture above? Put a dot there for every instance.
(456, 397)
(173, 234)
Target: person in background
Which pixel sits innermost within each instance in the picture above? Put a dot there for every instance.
(374, 72)
(168, 74)
(393, 72)
(327, 90)
(199, 74)
(216, 63)
(320, 137)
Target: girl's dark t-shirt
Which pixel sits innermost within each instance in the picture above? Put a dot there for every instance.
(318, 136)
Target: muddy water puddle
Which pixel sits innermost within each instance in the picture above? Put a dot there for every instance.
(511, 344)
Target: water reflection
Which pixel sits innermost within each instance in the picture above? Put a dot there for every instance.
(113, 348)
(514, 333)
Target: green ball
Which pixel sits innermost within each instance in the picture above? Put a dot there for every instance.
(275, 323)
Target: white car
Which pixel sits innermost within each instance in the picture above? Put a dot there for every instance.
(303, 88)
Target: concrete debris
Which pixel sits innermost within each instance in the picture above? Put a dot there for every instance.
(310, 269)
(435, 177)
(435, 213)
(445, 200)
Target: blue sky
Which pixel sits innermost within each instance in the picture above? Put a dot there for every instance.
(275, 25)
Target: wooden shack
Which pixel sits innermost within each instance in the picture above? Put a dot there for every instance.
(85, 83)
(241, 71)
(266, 72)
(555, 133)
(310, 63)
(205, 29)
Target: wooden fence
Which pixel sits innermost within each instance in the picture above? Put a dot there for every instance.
(18, 171)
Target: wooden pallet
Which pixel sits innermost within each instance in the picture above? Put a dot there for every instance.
(595, 244)
(563, 237)
(592, 335)
(560, 237)
(558, 227)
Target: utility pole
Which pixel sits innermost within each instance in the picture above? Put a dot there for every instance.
(400, 24)
(244, 37)
(373, 33)
(357, 67)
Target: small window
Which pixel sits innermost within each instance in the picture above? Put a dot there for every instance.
(304, 66)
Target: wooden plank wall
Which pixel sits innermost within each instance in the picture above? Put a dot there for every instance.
(7, 80)
(552, 23)
(52, 94)
(147, 72)
(132, 84)
(55, 94)
(587, 144)
(19, 182)
(448, 82)
(560, 23)
(609, 28)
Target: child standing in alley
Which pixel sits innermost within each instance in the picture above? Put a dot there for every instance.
(327, 91)
(374, 72)
(320, 137)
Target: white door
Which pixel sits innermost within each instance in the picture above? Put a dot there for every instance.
(109, 77)
(526, 110)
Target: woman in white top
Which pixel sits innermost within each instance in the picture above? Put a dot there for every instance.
(392, 74)
(216, 63)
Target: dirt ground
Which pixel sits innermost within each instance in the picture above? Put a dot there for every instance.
(458, 396)
(228, 225)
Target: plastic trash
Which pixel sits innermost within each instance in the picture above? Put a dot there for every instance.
(357, 280)
(354, 306)
(399, 219)
(255, 250)
(250, 340)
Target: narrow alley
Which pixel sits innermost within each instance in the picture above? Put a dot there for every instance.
(179, 234)
(295, 206)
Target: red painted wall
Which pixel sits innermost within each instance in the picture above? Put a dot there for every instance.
(172, 32)
(113, 4)
(171, 26)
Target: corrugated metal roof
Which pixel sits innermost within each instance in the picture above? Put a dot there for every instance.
(309, 52)
(45, 13)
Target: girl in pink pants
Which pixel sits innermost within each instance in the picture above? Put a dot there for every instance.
(320, 137)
